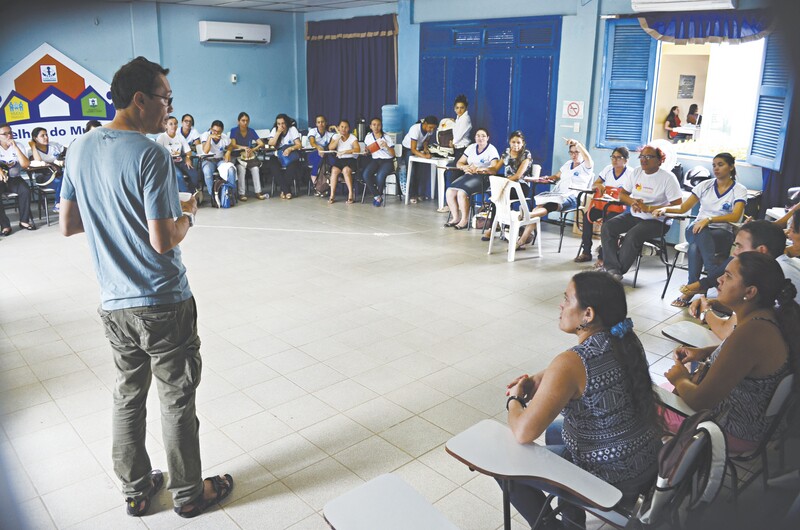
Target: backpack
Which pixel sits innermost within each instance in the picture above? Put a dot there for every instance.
(224, 195)
(322, 185)
(691, 470)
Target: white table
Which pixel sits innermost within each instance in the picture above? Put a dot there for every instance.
(490, 448)
(437, 168)
(689, 130)
(385, 502)
(674, 402)
(691, 334)
(773, 214)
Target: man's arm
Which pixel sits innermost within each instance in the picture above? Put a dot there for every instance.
(166, 234)
(69, 219)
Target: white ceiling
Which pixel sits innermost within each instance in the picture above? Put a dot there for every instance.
(284, 6)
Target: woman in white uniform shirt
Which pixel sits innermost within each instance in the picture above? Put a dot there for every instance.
(285, 138)
(318, 138)
(462, 128)
(479, 159)
(188, 131)
(577, 173)
(181, 157)
(722, 201)
(43, 150)
(645, 190)
(347, 148)
(382, 163)
(607, 183)
(415, 143)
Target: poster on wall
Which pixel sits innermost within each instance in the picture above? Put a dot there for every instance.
(48, 89)
(686, 87)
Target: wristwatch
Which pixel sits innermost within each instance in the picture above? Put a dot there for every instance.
(190, 215)
(703, 315)
(516, 398)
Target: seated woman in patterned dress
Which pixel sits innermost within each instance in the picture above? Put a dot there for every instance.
(747, 367)
(602, 388)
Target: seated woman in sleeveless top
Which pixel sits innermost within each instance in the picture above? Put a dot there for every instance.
(602, 388)
(747, 367)
(517, 166)
(245, 138)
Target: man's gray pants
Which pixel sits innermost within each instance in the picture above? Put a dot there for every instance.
(158, 341)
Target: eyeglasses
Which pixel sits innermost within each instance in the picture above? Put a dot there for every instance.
(647, 157)
(617, 157)
(5, 134)
(165, 98)
(573, 152)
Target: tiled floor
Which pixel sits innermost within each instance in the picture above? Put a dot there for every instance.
(339, 342)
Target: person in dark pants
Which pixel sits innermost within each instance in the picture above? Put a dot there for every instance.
(645, 190)
(607, 184)
(12, 156)
(120, 189)
(603, 389)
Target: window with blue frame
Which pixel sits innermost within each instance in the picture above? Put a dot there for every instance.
(743, 91)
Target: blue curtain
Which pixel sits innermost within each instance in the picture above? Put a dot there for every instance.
(700, 27)
(351, 67)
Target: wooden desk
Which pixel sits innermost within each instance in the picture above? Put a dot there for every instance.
(490, 448)
(435, 164)
(385, 503)
(691, 334)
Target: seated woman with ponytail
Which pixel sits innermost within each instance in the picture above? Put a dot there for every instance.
(603, 390)
(748, 366)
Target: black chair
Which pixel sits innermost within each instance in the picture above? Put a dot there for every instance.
(658, 246)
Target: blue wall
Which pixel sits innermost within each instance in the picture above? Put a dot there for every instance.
(102, 36)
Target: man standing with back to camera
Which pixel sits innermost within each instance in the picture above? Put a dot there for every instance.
(120, 188)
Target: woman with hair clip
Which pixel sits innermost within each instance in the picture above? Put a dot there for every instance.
(43, 150)
(602, 388)
(246, 139)
(517, 165)
(722, 201)
(748, 366)
(285, 138)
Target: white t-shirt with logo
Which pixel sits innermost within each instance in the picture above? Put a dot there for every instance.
(288, 139)
(578, 177)
(217, 148)
(483, 159)
(176, 145)
(608, 178)
(415, 133)
(461, 130)
(322, 140)
(193, 135)
(383, 152)
(712, 204)
(53, 150)
(659, 189)
(345, 145)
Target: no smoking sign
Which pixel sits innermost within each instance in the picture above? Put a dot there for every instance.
(572, 110)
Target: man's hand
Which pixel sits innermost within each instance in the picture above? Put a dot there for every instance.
(190, 205)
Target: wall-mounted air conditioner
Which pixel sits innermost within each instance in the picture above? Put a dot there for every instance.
(681, 5)
(234, 32)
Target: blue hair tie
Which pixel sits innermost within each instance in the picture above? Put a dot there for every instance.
(623, 328)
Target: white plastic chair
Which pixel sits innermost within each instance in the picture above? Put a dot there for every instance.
(501, 189)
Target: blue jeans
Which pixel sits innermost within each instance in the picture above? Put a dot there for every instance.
(208, 173)
(375, 174)
(56, 185)
(703, 246)
(184, 173)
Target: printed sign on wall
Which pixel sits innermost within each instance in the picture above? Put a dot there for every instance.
(48, 89)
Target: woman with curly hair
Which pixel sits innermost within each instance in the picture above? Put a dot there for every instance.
(603, 389)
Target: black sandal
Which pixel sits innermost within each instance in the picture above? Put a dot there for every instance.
(5, 231)
(134, 506)
(221, 489)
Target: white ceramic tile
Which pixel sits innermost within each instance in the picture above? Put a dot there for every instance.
(335, 434)
(256, 430)
(315, 377)
(454, 416)
(287, 455)
(33, 514)
(82, 500)
(274, 392)
(32, 419)
(345, 395)
(322, 482)
(415, 436)
(249, 374)
(302, 412)
(468, 512)
(379, 414)
(274, 506)
(417, 397)
(228, 409)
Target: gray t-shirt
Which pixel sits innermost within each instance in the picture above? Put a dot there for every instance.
(120, 179)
